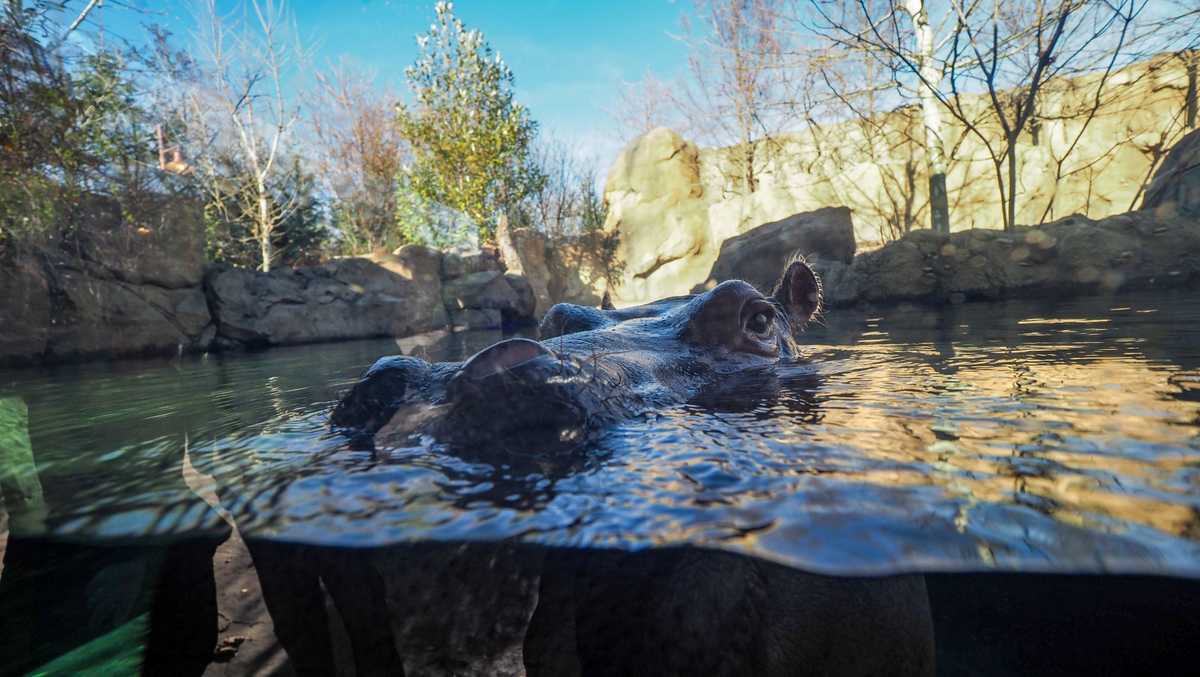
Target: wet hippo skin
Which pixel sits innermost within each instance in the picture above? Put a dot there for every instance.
(703, 612)
(478, 609)
(592, 367)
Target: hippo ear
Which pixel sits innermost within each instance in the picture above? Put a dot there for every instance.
(798, 292)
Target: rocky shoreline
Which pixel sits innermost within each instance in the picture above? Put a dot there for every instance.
(65, 306)
(113, 294)
(1069, 257)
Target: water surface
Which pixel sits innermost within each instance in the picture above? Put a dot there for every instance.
(1051, 436)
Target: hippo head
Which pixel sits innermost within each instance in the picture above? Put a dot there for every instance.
(591, 366)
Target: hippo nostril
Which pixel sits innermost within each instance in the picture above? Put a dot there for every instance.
(502, 357)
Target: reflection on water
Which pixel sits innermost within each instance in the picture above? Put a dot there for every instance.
(1052, 437)
(1010, 436)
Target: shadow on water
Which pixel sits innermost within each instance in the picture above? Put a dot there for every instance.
(993, 486)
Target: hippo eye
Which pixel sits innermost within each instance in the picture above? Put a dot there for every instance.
(760, 323)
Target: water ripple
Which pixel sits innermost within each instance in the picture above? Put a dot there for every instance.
(1010, 436)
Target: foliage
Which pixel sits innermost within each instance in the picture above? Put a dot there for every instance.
(66, 132)
(239, 112)
(361, 153)
(567, 202)
(470, 140)
(301, 233)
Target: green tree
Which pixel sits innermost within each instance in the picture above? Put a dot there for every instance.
(231, 216)
(72, 128)
(470, 140)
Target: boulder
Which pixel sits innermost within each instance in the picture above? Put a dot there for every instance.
(580, 267)
(486, 290)
(25, 294)
(418, 265)
(115, 288)
(457, 265)
(524, 253)
(1148, 248)
(61, 307)
(673, 204)
(756, 255)
(97, 317)
(526, 304)
(394, 295)
(570, 268)
(165, 248)
(1176, 184)
(653, 194)
(475, 319)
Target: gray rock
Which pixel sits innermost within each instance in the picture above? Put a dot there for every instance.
(473, 319)
(484, 290)
(458, 265)
(25, 295)
(571, 269)
(757, 255)
(1176, 184)
(59, 307)
(395, 295)
(164, 249)
(1150, 248)
(524, 252)
(526, 304)
(107, 317)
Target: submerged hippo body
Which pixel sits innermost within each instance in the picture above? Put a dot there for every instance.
(591, 367)
(507, 608)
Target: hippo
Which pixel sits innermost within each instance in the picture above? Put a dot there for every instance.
(590, 368)
(524, 609)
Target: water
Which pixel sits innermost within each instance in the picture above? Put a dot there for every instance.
(1056, 437)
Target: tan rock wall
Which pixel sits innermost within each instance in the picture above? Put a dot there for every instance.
(672, 204)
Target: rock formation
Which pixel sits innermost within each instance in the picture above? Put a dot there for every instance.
(1176, 184)
(757, 255)
(113, 291)
(573, 269)
(349, 298)
(671, 204)
(94, 301)
(1074, 255)
(1154, 247)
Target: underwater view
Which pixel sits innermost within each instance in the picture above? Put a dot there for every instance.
(1033, 438)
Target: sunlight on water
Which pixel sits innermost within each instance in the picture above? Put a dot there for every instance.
(1055, 437)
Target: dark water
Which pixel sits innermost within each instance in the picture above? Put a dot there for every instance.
(1061, 438)
(1055, 437)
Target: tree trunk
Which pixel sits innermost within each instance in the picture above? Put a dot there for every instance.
(264, 229)
(931, 115)
(751, 181)
(1035, 126)
(1193, 64)
(1010, 221)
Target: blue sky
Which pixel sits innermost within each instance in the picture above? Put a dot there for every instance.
(569, 58)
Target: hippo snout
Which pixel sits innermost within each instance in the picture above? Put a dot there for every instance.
(385, 386)
(518, 386)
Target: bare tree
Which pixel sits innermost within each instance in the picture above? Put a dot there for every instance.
(1042, 42)
(568, 202)
(931, 114)
(362, 153)
(987, 64)
(733, 91)
(899, 39)
(644, 105)
(239, 114)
